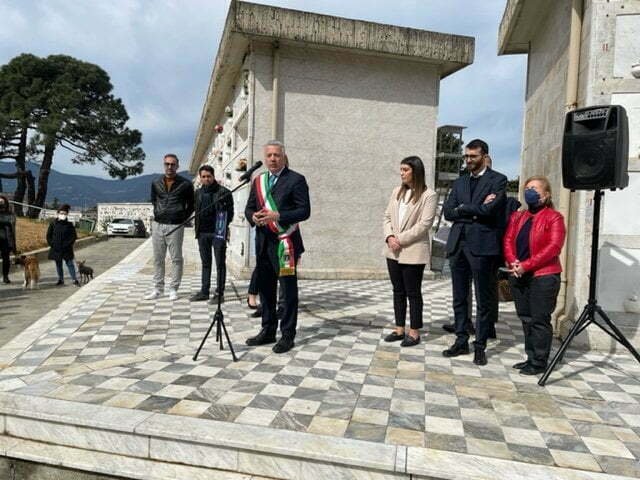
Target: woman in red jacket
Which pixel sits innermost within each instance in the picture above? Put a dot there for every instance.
(532, 246)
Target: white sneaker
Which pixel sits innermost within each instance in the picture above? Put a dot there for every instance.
(153, 295)
(173, 294)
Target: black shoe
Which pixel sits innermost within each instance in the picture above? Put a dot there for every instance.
(214, 299)
(394, 337)
(262, 338)
(257, 313)
(479, 357)
(76, 283)
(520, 365)
(199, 297)
(283, 346)
(6, 280)
(451, 328)
(60, 282)
(457, 349)
(532, 370)
(410, 341)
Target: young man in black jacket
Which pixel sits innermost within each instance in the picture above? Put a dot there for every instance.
(476, 208)
(214, 212)
(172, 199)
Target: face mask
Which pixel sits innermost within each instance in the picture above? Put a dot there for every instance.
(531, 197)
(61, 216)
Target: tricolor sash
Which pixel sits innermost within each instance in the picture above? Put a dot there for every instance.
(286, 254)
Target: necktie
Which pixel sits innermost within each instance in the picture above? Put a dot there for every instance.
(272, 180)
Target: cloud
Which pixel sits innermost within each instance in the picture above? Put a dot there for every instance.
(160, 54)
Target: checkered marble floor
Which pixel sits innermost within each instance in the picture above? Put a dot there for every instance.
(341, 379)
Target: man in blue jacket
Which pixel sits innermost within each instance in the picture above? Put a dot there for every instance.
(278, 202)
(476, 208)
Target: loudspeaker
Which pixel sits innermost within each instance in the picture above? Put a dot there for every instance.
(595, 148)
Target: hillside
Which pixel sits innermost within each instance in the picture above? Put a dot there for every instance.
(85, 191)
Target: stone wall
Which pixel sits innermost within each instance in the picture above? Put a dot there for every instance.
(134, 211)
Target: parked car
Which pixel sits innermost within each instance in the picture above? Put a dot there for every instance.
(127, 227)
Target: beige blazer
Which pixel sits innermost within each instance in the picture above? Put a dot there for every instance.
(414, 233)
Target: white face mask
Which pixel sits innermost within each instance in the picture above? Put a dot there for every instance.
(62, 216)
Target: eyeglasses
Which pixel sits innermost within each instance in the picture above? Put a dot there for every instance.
(171, 165)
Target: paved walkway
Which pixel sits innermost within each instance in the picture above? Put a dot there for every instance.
(19, 308)
(107, 346)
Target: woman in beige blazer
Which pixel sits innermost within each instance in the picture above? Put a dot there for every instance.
(407, 223)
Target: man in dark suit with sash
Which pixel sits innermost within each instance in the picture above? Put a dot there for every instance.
(476, 208)
(278, 202)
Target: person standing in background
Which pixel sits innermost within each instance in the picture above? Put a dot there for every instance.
(61, 236)
(7, 236)
(172, 199)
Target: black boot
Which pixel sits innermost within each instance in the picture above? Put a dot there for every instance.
(261, 338)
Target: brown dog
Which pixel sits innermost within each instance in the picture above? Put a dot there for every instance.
(31, 270)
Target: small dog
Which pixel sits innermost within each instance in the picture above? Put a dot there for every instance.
(31, 270)
(86, 272)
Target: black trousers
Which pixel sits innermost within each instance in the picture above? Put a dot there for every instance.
(267, 286)
(535, 299)
(407, 285)
(6, 252)
(206, 244)
(253, 290)
(481, 270)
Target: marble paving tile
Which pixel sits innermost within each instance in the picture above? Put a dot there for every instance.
(581, 461)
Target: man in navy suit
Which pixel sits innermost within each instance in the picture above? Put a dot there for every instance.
(278, 202)
(476, 208)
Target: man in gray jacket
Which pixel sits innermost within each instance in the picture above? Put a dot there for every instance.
(172, 199)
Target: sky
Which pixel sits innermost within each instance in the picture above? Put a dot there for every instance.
(159, 56)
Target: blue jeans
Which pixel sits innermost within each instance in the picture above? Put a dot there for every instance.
(70, 266)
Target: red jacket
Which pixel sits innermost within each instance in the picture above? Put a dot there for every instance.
(546, 239)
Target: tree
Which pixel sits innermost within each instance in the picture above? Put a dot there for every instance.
(21, 99)
(448, 143)
(69, 105)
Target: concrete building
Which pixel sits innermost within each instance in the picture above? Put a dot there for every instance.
(349, 99)
(581, 53)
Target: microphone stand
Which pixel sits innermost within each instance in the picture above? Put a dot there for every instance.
(218, 317)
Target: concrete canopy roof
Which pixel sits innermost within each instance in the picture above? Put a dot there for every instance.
(519, 23)
(246, 21)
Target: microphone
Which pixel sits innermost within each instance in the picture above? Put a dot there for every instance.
(247, 175)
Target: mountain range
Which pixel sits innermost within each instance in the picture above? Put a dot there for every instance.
(85, 191)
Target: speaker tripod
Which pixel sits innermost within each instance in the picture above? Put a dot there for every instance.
(591, 310)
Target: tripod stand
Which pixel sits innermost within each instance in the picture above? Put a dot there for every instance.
(588, 315)
(218, 317)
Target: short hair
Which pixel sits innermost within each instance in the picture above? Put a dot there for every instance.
(477, 143)
(172, 155)
(275, 143)
(206, 168)
(65, 207)
(546, 186)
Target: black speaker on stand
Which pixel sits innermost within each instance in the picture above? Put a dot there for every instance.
(595, 151)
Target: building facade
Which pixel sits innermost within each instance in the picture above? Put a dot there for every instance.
(133, 211)
(349, 99)
(582, 53)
